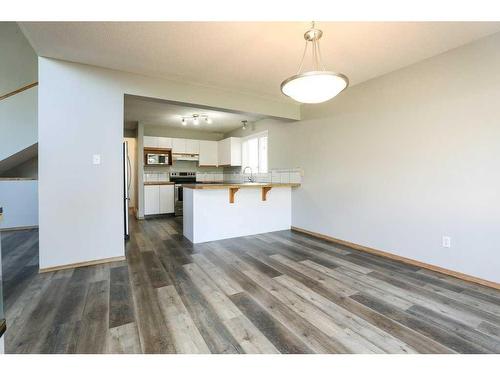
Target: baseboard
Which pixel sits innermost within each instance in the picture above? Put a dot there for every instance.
(444, 271)
(82, 264)
(18, 228)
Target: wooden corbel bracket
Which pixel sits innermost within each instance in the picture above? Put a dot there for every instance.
(232, 192)
(265, 190)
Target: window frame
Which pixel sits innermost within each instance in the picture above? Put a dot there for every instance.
(258, 136)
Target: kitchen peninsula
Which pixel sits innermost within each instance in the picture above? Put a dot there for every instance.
(218, 211)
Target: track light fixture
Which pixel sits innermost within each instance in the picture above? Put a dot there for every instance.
(195, 118)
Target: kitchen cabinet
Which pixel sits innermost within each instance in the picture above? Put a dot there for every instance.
(178, 145)
(150, 142)
(208, 153)
(166, 199)
(229, 152)
(151, 199)
(192, 146)
(164, 142)
(185, 146)
(157, 142)
(158, 199)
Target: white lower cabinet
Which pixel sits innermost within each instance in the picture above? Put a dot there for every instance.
(158, 199)
(151, 199)
(166, 199)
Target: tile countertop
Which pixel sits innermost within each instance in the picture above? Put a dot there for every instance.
(243, 185)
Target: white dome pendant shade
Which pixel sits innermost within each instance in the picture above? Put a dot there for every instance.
(315, 86)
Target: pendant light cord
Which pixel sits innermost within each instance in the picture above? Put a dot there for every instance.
(316, 55)
(320, 58)
(302, 61)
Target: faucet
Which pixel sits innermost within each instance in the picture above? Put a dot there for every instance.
(250, 179)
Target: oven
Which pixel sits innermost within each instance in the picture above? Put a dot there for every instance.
(179, 178)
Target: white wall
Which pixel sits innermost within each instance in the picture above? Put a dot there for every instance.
(19, 199)
(18, 122)
(18, 61)
(81, 114)
(18, 113)
(280, 149)
(399, 161)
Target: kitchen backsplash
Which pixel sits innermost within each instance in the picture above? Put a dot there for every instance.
(283, 176)
(274, 176)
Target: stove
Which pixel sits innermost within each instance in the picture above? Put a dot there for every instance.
(180, 178)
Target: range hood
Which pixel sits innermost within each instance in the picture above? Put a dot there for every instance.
(185, 157)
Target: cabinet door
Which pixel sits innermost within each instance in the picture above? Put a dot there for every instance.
(208, 153)
(224, 152)
(235, 151)
(192, 146)
(178, 145)
(164, 142)
(166, 199)
(150, 141)
(151, 200)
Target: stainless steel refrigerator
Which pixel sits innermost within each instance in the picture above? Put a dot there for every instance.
(127, 172)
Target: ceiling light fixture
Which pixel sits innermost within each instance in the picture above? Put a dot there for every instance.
(244, 122)
(196, 119)
(318, 85)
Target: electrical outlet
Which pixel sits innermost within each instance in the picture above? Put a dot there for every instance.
(96, 159)
(446, 241)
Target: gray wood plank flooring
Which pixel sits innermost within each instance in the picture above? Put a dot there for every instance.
(280, 292)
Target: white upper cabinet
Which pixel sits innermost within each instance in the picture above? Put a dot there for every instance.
(208, 153)
(157, 142)
(192, 146)
(164, 142)
(229, 152)
(178, 145)
(151, 141)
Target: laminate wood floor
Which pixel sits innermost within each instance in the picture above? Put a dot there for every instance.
(281, 292)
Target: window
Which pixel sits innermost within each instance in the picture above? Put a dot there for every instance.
(254, 152)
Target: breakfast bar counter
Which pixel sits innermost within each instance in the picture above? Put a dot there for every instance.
(225, 210)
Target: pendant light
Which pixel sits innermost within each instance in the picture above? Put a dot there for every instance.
(318, 85)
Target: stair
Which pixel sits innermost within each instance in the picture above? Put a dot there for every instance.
(19, 127)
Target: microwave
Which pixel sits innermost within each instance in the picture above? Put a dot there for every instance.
(157, 159)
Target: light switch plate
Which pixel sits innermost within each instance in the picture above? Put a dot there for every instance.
(96, 159)
(446, 241)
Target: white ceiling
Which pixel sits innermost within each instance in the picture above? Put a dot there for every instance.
(252, 57)
(162, 113)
